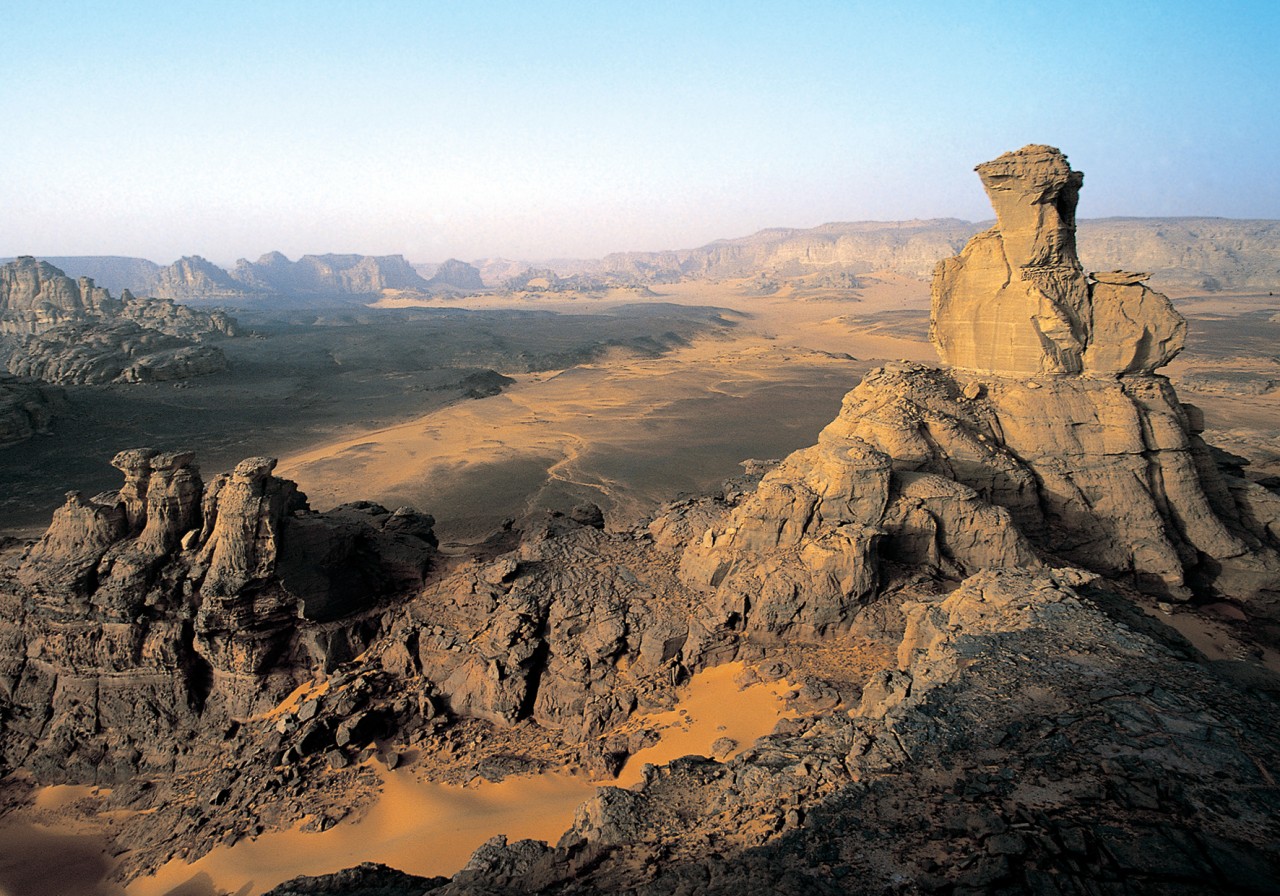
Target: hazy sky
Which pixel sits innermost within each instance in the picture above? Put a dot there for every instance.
(535, 130)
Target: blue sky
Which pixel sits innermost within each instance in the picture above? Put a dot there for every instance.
(537, 130)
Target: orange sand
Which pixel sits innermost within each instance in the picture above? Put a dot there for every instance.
(429, 829)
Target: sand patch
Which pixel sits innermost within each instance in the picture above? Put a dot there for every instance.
(428, 829)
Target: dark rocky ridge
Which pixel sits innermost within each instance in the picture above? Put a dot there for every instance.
(950, 578)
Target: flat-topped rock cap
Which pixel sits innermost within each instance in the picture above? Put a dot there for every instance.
(134, 459)
(1032, 159)
(255, 467)
(1017, 301)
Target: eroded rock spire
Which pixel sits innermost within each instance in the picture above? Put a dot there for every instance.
(1016, 301)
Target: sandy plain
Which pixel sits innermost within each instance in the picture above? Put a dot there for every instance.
(629, 432)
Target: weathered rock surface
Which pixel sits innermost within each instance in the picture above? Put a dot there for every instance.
(1092, 458)
(1134, 329)
(36, 287)
(950, 581)
(115, 273)
(1030, 738)
(61, 331)
(364, 880)
(117, 352)
(1016, 300)
(184, 594)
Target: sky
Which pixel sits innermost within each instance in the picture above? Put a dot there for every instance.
(537, 130)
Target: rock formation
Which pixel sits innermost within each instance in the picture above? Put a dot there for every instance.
(117, 352)
(456, 274)
(1051, 425)
(320, 275)
(58, 330)
(192, 277)
(214, 587)
(1016, 300)
(34, 293)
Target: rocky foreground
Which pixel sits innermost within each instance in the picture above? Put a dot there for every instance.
(973, 580)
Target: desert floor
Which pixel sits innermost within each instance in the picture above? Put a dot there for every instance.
(629, 432)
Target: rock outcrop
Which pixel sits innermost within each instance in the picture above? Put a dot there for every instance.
(951, 582)
(321, 275)
(58, 330)
(193, 277)
(456, 274)
(1051, 425)
(116, 352)
(35, 294)
(226, 591)
(1017, 300)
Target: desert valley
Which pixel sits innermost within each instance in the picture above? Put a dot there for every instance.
(915, 557)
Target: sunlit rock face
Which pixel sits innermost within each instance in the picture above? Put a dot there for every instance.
(1017, 301)
(1051, 426)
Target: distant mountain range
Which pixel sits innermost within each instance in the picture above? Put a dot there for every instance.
(1195, 253)
(193, 277)
(1200, 253)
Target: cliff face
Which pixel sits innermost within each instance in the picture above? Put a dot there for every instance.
(37, 292)
(115, 273)
(327, 274)
(907, 247)
(193, 277)
(58, 330)
(1187, 253)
